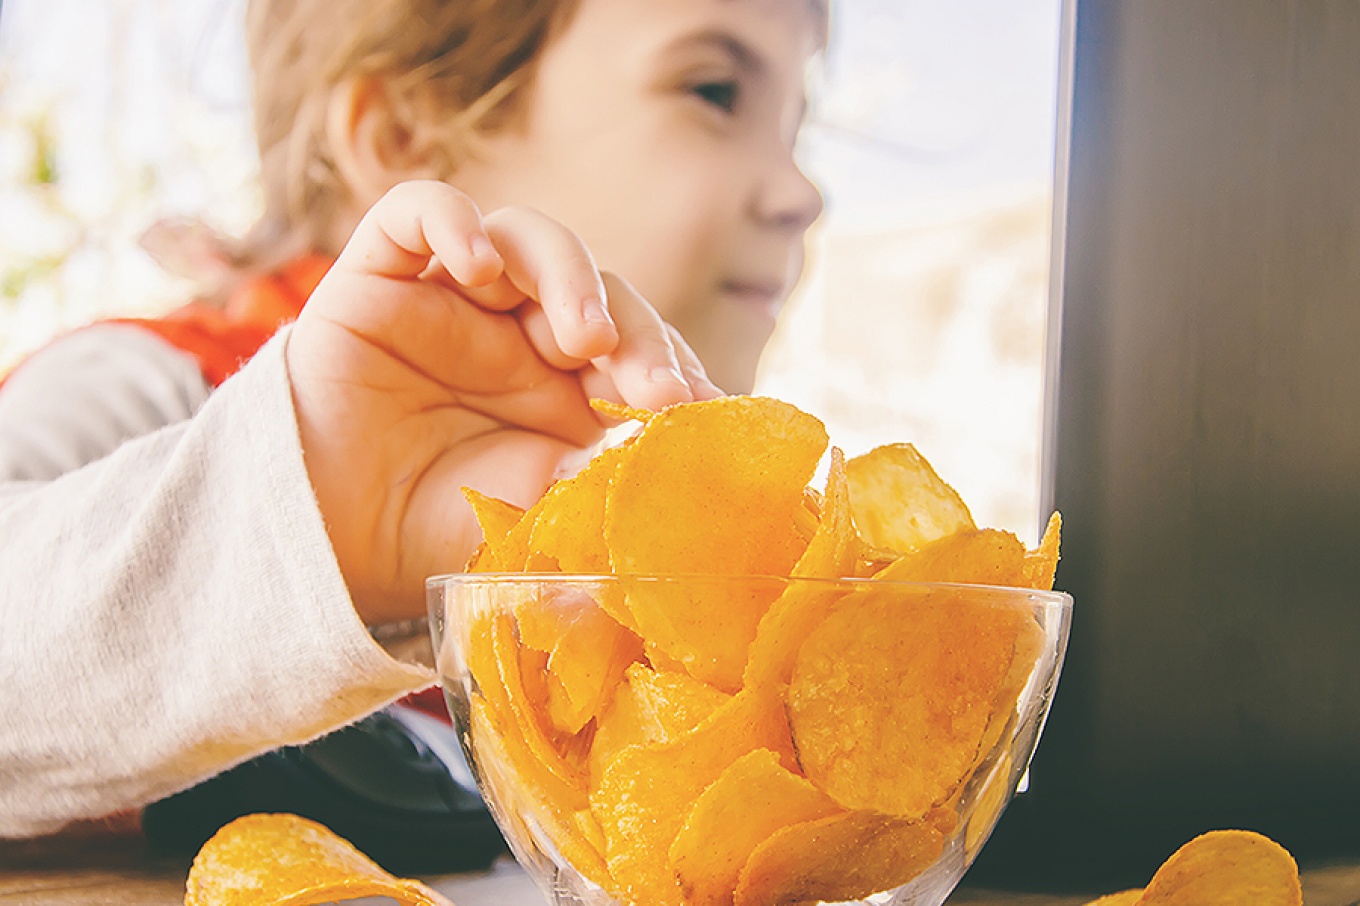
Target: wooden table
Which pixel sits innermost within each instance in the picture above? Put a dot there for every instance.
(110, 866)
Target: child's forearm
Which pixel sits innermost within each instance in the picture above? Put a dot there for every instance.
(172, 610)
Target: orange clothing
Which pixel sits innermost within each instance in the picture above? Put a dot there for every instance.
(224, 339)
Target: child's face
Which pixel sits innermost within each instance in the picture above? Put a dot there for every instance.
(662, 133)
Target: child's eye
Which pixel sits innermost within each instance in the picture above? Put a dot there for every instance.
(720, 94)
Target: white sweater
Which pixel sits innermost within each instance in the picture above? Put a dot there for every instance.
(172, 609)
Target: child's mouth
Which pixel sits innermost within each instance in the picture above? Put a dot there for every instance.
(767, 295)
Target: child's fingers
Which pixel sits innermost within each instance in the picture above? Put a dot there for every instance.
(416, 221)
(598, 383)
(548, 263)
(693, 369)
(646, 366)
(536, 326)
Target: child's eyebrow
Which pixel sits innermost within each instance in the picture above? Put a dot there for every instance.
(741, 53)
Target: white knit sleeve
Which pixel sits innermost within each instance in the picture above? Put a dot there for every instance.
(174, 609)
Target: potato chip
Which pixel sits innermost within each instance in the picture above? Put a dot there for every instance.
(649, 708)
(784, 628)
(505, 779)
(620, 412)
(1027, 647)
(495, 517)
(873, 560)
(480, 654)
(1041, 564)
(845, 856)
(830, 554)
(711, 488)
(1124, 898)
(1226, 868)
(990, 557)
(569, 526)
(579, 685)
(541, 619)
(587, 652)
(747, 804)
(510, 552)
(833, 544)
(807, 519)
(590, 829)
(646, 791)
(944, 657)
(563, 795)
(475, 562)
(535, 802)
(290, 861)
(523, 706)
(563, 525)
(899, 501)
(988, 800)
(969, 556)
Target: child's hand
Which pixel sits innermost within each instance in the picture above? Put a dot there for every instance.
(446, 349)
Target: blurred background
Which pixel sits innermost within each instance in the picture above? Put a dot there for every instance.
(921, 314)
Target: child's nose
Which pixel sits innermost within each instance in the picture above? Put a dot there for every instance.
(787, 198)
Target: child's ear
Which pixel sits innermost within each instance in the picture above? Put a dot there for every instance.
(374, 142)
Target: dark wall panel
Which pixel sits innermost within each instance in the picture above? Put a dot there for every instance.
(1204, 443)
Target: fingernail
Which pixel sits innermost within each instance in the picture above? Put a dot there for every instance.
(594, 312)
(481, 247)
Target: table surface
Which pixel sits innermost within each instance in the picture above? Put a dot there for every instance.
(110, 866)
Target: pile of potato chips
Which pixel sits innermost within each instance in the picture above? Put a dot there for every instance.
(712, 740)
(756, 741)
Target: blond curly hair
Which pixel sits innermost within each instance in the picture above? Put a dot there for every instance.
(469, 59)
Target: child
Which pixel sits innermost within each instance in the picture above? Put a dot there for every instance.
(190, 599)
(661, 133)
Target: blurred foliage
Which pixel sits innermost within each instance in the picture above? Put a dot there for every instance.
(44, 168)
(39, 180)
(103, 134)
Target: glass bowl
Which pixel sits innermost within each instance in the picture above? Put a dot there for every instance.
(853, 742)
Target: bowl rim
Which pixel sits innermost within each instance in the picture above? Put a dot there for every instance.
(435, 582)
